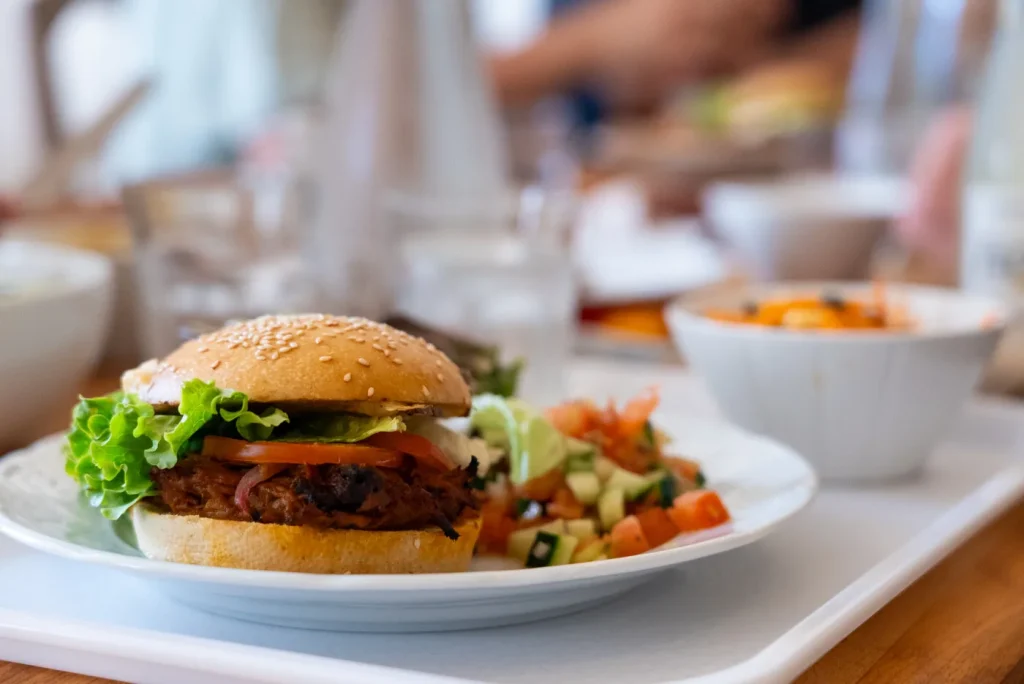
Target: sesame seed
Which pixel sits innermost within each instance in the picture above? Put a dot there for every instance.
(203, 350)
(232, 345)
(416, 542)
(260, 357)
(215, 364)
(426, 392)
(325, 358)
(348, 376)
(293, 345)
(378, 347)
(317, 340)
(440, 378)
(387, 352)
(369, 392)
(438, 362)
(273, 356)
(391, 343)
(398, 361)
(363, 362)
(284, 350)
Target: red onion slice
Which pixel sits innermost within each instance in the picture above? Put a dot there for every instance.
(258, 474)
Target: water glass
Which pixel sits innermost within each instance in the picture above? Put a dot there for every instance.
(211, 249)
(497, 271)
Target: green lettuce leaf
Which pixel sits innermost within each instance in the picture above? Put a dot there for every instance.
(533, 445)
(325, 429)
(116, 440)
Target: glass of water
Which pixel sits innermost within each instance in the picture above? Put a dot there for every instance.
(210, 249)
(495, 271)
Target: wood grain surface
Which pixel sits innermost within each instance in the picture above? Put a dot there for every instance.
(962, 622)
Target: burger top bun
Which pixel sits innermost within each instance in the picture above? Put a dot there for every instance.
(314, 362)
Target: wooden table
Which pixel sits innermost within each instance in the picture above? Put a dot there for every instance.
(961, 622)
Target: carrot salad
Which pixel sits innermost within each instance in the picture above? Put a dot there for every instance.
(825, 312)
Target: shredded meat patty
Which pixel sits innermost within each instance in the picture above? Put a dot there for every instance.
(334, 496)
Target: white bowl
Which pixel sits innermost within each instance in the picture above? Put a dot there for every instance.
(804, 228)
(54, 309)
(857, 405)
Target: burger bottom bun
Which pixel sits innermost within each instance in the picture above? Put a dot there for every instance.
(293, 548)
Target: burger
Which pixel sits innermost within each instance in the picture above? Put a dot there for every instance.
(302, 443)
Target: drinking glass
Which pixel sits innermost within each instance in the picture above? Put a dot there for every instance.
(211, 249)
(497, 271)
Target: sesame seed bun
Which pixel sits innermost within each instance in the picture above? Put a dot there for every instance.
(317, 362)
(294, 548)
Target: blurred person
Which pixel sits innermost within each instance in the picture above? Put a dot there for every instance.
(8, 210)
(636, 52)
(930, 227)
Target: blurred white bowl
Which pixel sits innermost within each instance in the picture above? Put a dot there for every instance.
(820, 227)
(54, 308)
(858, 405)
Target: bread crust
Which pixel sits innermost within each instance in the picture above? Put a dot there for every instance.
(296, 548)
(315, 362)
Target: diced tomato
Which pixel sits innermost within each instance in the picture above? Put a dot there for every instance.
(627, 538)
(564, 505)
(683, 467)
(573, 418)
(698, 510)
(637, 412)
(657, 526)
(543, 488)
(240, 451)
(495, 527)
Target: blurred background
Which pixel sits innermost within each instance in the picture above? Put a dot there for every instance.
(528, 179)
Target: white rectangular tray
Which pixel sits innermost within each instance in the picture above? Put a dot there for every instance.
(762, 613)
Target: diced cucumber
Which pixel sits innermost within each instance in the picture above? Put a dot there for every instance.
(603, 556)
(554, 527)
(542, 553)
(527, 509)
(700, 480)
(566, 547)
(663, 485)
(585, 487)
(589, 552)
(520, 542)
(604, 467)
(577, 447)
(551, 549)
(632, 485)
(611, 507)
(583, 529)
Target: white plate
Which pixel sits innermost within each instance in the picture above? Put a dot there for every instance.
(758, 615)
(762, 483)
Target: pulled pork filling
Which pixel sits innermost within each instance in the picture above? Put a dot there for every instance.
(326, 496)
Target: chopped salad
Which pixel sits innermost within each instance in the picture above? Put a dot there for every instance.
(581, 482)
(824, 312)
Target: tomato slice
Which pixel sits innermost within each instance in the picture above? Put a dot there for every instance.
(241, 451)
(419, 447)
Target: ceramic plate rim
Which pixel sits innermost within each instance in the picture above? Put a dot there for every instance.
(806, 486)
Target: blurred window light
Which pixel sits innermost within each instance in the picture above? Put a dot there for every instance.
(504, 26)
